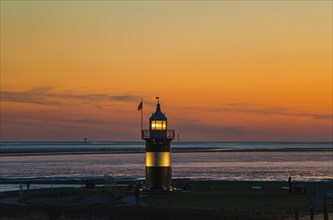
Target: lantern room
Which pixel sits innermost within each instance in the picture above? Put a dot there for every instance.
(158, 127)
(158, 121)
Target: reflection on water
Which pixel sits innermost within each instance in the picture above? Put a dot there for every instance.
(211, 165)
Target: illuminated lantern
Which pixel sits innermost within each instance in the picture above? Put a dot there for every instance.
(158, 151)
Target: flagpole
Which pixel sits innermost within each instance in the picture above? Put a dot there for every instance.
(142, 115)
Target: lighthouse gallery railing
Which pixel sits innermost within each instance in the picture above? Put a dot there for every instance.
(168, 134)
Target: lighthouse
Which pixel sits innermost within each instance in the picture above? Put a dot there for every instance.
(158, 151)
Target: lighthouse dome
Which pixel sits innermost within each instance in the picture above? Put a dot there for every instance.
(158, 115)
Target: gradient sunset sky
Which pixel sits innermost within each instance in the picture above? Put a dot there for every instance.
(225, 70)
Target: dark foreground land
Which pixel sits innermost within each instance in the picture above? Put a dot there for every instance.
(126, 212)
(201, 200)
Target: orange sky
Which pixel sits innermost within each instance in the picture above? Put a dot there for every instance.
(225, 71)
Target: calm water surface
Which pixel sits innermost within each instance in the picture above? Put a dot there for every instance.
(211, 165)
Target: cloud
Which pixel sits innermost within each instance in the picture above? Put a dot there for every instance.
(215, 129)
(49, 96)
(35, 96)
(263, 110)
(273, 110)
(201, 131)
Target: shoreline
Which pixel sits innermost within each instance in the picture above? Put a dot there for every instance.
(52, 152)
(100, 180)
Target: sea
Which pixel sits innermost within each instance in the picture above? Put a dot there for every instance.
(227, 161)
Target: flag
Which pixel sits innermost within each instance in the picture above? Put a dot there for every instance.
(140, 106)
